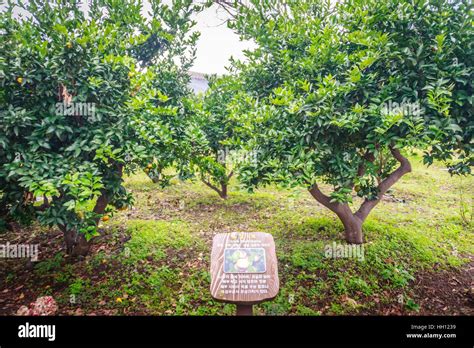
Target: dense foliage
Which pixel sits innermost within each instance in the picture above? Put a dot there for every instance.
(335, 93)
(338, 91)
(87, 93)
(215, 154)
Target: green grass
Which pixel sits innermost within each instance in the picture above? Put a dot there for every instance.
(163, 268)
(150, 239)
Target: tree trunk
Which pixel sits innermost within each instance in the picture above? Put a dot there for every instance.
(353, 221)
(76, 243)
(352, 224)
(352, 228)
(223, 192)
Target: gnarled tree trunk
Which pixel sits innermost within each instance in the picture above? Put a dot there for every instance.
(352, 228)
(353, 221)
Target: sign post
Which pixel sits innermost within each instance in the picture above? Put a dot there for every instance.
(244, 269)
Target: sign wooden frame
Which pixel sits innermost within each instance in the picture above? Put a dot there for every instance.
(250, 262)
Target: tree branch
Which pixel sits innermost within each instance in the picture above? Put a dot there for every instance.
(45, 204)
(404, 168)
(361, 169)
(101, 203)
(103, 200)
(229, 6)
(338, 208)
(212, 186)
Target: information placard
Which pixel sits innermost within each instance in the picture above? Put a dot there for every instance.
(244, 267)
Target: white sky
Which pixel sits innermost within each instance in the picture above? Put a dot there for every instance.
(217, 42)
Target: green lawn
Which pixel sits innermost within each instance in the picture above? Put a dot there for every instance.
(154, 258)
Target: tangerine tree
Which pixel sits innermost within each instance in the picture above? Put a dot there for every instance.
(338, 92)
(88, 94)
(215, 153)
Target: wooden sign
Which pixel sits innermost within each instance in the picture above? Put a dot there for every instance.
(244, 268)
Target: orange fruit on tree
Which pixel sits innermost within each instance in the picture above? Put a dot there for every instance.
(105, 218)
(19, 80)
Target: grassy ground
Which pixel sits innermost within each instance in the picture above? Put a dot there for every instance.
(154, 259)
